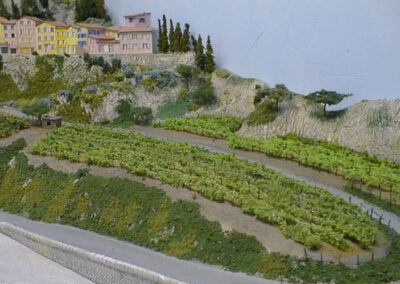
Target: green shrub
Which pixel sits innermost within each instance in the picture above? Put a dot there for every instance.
(10, 124)
(380, 118)
(8, 89)
(36, 109)
(141, 115)
(149, 84)
(222, 73)
(204, 95)
(264, 113)
(174, 109)
(183, 92)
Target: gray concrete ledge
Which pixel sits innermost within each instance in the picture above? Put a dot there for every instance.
(95, 267)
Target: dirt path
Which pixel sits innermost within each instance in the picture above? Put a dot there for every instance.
(230, 217)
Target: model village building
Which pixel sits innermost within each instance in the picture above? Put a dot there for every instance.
(30, 34)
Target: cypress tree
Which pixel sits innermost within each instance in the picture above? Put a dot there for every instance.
(209, 60)
(1, 63)
(3, 10)
(160, 37)
(185, 43)
(171, 36)
(194, 43)
(45, 3)
(178, 38)
(15, 10)
(200, 57)
(100, 10)
(165, 35)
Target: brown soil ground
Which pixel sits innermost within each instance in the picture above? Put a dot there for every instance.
(230, 217)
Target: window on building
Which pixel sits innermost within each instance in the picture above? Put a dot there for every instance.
(131, 19)
(145, 46)
(125, 46)
(39, 47)
(142, 20)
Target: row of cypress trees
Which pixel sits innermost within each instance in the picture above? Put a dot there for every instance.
(175, 40)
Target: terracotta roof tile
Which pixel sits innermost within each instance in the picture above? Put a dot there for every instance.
(140, 14)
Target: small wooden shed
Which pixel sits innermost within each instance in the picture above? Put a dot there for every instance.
(51, 122)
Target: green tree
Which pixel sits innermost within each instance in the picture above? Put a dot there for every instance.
(1, 63)
(278, 94)
(36, 110)
(165, 44)
(3, 10)
(327, 98)
(15, 10)
(178, 38)
(160, 35)
(187, 72)
(45, 3)
(209, 60)
(30, 8)
(200, 57)
(194, 43)
(185, 42)
(85, 9)
(171, 36)
(100, 10)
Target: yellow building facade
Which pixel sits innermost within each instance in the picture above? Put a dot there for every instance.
(62, 35)
(46, 38)
(72, 40)
(1, 32)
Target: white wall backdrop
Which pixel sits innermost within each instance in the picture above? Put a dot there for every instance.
(350, 46)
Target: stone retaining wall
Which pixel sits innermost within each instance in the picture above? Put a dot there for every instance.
(95, 267)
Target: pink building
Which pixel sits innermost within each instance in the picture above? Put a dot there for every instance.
(103, 45)
(26, 34)
(136, 37)
(9, 34)
(138, 20)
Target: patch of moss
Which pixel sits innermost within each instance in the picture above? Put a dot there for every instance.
(222, 73)
(8, 89)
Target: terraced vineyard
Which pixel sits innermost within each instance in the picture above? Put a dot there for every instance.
(215, 126)
(10, 124)
(352, 165)
(306, 214)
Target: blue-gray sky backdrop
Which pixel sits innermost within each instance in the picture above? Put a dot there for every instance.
(350, 46)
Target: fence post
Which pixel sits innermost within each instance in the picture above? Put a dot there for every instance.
(389, 223)
(322, 260)
(372, 256)
(350, 199)
(358, 259)
(372, 212)
(380, 220)
(305, 252)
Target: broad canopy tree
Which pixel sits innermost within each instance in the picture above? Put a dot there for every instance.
(327, 98)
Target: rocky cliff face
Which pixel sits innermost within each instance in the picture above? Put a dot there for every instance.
(61, 11)
(372, 126)
(235, 95)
